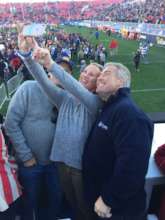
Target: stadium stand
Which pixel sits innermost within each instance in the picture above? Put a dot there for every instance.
(148, 11)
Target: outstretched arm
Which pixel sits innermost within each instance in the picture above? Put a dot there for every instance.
(55, 93)
(90, 100)
(26, 45)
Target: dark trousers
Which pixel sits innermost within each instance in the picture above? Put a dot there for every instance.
(42, 194)
(137, 64)
(11, 212)
(71, 181)
(124, 217)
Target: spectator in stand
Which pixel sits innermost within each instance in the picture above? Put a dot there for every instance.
(160, 161)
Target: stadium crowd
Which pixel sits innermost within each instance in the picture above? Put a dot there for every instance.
(118, 10)
(135, 11)
(72, 47)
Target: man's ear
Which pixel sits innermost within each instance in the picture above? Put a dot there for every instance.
(120, 82)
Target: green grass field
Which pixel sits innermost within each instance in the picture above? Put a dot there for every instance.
(151, 78)
(148, 85)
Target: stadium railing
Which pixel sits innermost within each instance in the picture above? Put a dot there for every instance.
(3, 94)
(14, 82)
(157, 117)
(12, 85)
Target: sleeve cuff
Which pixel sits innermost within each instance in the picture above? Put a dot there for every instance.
(24, 55)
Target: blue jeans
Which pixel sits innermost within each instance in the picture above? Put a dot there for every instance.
(42, 194)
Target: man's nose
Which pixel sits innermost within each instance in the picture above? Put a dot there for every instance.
(85, 74)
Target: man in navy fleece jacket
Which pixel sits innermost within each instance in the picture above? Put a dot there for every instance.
(117, 151)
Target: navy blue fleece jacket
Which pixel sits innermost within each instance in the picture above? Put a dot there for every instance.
(116, 156)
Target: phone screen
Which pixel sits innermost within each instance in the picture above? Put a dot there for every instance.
(34, 30)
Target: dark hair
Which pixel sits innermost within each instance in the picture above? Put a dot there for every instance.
(61, 60)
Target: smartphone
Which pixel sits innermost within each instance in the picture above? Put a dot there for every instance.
(34, 30)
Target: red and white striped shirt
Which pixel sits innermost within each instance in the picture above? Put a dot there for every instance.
(10, 189)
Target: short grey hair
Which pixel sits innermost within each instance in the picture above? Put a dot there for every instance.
(122, 73)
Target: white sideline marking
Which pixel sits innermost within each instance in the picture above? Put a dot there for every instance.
(148, 90)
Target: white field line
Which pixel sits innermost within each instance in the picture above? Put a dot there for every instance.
(148, 90)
